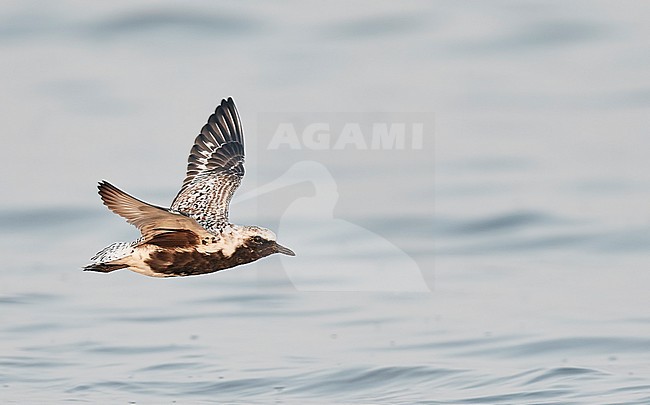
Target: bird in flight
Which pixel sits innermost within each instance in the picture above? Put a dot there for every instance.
(194, 235)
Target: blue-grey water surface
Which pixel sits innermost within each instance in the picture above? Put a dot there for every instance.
(505, 262)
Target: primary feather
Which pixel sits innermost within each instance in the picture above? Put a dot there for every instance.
(215, 168)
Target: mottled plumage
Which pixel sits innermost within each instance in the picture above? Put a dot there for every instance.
(214, 169)
(194, 235)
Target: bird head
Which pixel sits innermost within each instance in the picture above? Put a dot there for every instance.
(263, 241)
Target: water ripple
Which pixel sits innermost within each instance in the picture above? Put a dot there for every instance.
(561, 373)
(569, 346)
(176, 19)
(509, 221)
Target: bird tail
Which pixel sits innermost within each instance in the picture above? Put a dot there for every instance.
(109, 258)
(104, 267)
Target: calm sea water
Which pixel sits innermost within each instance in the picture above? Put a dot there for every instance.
(504, 262)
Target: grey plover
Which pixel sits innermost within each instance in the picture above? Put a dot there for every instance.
(194, 235)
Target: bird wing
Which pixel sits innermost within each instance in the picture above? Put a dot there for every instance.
(152, 221)
(215, 168)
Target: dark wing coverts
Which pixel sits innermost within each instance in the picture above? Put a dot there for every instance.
(215, 168)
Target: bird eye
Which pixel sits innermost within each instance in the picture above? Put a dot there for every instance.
(258, 239)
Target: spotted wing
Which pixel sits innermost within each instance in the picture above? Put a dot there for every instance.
(215, 168)
(152, 221)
